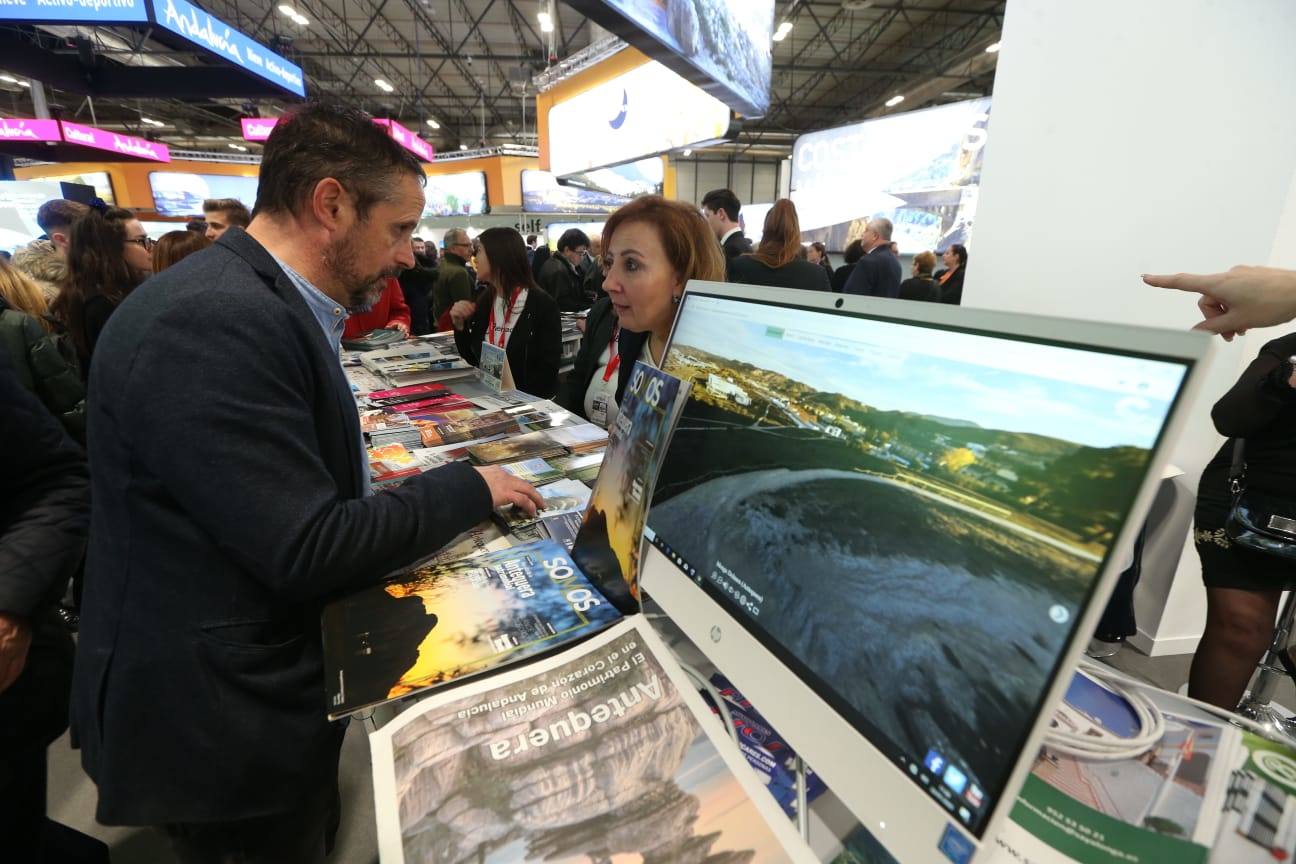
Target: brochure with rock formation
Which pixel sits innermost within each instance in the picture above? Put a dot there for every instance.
(441, 622)
(603, 752)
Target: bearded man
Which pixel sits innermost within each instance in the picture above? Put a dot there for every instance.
(230, 497)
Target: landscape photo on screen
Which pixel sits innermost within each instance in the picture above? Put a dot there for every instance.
(461, 194)
(601, 190)
(179, 193)
(728, 41)
(594, 757)
(920, 169)
(916, 516)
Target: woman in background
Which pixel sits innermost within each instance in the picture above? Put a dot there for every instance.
(817, 253)
(922, 285)
(174, 246)
(950, 279)
(776, 261)
(26, 336)
(512, 313)
(651, 249)
(108, 257)
(854, 252)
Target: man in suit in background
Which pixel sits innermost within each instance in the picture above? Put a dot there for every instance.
(230, 499)
(721, 208)
(878, 273)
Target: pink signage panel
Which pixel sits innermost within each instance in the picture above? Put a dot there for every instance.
(258, 128)
(126, 145)
(408, 139)
(12, 129)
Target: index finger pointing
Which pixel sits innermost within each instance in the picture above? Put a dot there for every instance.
(1195, 282)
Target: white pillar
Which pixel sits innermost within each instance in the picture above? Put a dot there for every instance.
(1132, 136)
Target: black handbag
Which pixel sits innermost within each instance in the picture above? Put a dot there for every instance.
(1259, 521)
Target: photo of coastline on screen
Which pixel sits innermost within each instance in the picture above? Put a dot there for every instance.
(915, 516)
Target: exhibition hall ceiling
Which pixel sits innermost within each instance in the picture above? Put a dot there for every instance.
(470, 66)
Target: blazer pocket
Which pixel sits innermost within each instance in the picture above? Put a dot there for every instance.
(254, 667)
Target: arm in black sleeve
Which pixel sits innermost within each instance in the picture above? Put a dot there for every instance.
(1259, 395)
(241, 459)
(469, 340)
(44, 500)
(546, 350)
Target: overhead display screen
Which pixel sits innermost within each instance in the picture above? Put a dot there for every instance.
(455, 194)
(723, 46)
(176, 193)
(871, 497)
(599, 191)
(921, 170)
(644, 112)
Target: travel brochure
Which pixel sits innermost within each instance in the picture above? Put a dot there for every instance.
(441, 622)
(604, 752)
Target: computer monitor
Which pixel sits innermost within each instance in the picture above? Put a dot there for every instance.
(892, 526)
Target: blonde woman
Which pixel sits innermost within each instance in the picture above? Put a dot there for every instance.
(42, 367)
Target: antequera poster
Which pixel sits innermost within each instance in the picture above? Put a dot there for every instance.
(593, 755)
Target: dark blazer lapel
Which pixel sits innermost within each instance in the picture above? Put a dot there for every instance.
(240, 243)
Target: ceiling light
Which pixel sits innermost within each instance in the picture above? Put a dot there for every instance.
(10, 79)
(26, 84)
(686, 153)
(151, 122)
(287, 10)
(383, 85)
(894, 101)
(546, 22)
(992, 48)
(783, 30)
(434, 124)
(301, 20)
(238, 147)
(463, 146)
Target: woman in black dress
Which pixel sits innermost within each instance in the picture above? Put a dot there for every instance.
(1242, 587)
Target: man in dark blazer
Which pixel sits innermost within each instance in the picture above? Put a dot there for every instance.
(230, 500)
(877, 274)
(722, 208)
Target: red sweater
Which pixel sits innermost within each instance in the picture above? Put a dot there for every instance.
(390, 309)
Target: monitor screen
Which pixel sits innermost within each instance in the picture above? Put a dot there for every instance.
(462, 194)
(100, 180)
(920, 169)
(19, 201)
(599, 191)
(912, 518)
(554, 231)
(178, 193)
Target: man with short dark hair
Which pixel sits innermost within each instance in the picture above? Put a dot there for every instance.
(878, 273)
(198, 696)
(223, 213)
(722, 210)
(55, 218)
(453, 282)
(562, 275)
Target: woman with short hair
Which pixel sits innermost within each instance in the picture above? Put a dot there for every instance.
(652, 248)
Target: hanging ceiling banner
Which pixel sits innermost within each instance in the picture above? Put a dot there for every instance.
(125, 145)
(206, 31)
(408, 139)
(258, 128)
(75, 11)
